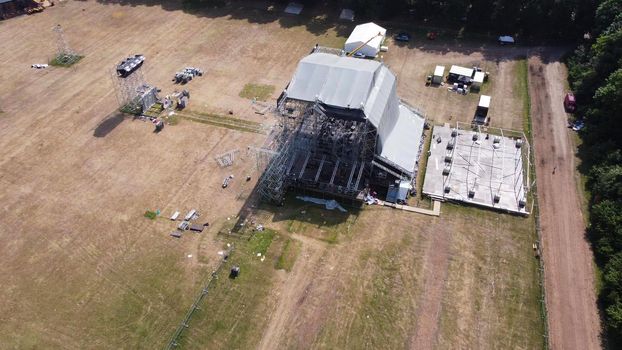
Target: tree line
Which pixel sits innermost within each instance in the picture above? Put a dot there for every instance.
(547, 19)
(595, 74)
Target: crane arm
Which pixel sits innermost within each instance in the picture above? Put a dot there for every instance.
(363, 44)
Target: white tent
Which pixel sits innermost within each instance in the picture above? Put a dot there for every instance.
(458, 71)
(439, 72)
(368, 36)
(478, 79)
(366, 85)
(484, 101)
(294, 8)
(506, 39)
(347, 15)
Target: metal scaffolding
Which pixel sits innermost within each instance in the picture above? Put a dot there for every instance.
(319, 149)
(64, 54)
(133, 94)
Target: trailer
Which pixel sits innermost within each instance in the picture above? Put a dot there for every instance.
(129, 65)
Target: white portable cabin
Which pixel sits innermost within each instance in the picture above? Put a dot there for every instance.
(368, 37)
(481, 113)
(439, 72)
(484, 102)
(456, 72)
(478, 80)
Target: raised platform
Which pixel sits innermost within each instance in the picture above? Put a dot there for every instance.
(477, 165)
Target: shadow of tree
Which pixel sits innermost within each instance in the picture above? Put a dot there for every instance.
(317, 19)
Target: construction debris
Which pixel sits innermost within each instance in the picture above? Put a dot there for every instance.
(226, 181)
(159, 124)
(192, 214)
(186, 75)
(176, 234)
(196, 228)
(226, 159)
(328, 204)
(235, 271)
(184, 225)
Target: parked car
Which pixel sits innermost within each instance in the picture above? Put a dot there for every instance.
(403, 36)
(505, 40)
(570, 103)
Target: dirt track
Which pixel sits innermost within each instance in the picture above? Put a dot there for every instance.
(569, 277)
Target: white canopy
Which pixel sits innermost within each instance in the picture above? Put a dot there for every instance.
(479, 77)
(370, 35)
(347, 15)
(506, 39)
(439, 71)
(484, 101)
(462, 71)
(294, 8)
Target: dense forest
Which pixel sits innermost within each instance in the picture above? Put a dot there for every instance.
(541, 19)
(595, 73)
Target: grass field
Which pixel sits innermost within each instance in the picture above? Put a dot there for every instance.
(83, 268)
(257, 91)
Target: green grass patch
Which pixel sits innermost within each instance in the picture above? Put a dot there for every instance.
(150, 214)
(259, 92)
(380, 296)
(501, 274)
(171, 119)
(317, 222)
(235, 312)
(65, 60)
(260, 241)
(288, 256)
(522, 87)
(222, 121)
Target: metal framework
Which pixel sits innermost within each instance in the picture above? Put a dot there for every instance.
(322, 150)
(132, 92)
(64, 54)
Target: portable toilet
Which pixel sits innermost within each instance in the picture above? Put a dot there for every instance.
(439, 72)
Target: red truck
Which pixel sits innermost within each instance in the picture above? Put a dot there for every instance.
(570, 103)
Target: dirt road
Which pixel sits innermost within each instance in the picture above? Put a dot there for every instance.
(569, 278)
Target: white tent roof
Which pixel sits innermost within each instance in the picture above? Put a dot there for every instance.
(463, 71)
(479, 77)
(347, 14)
(334, 80)
(439, 71)
(484, 101)
(402, 145)
(294, 8)
(363, 33)
(366, 85)
(506, 39)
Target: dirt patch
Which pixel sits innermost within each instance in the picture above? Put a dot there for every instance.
(436, 260)
(569, 272)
